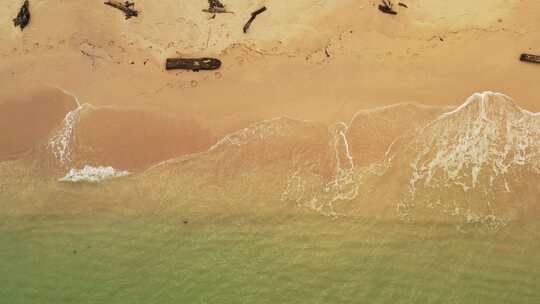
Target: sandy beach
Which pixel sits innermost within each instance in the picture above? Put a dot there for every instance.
(338, 155)
(317, 60)
(82, 85)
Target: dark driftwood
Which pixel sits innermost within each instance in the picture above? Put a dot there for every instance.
(194, 64)
(23, 18)
(253, 16)
(215, 7)
(387, 7)
(216, 11)
(127, 7)
(530, 58)
(403, 4)
(215, 4)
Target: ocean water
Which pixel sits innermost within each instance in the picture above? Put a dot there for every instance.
(403, 204)
(229, 259)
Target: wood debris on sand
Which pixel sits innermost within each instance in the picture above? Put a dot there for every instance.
(216, 7)
(253, 16)
(530, 58)
(194, 64)
(387, 7)
(23, 18)
(127, 7)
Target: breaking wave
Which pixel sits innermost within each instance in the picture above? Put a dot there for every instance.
(466, 162)
(90, 174)
(408, 157)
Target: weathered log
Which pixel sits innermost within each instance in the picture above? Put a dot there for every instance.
(530, 58)
(194, 64)
(127, 7)
(23, 18)
(387, 7)
(253, 16)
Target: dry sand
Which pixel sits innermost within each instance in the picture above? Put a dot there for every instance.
(318, 60)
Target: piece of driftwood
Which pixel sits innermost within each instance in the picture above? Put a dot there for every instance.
(215, 7)
(253, 16)
(530, 58)
(387, 7)
(23, 18)
(215, 4)
(194, 64)
(403, 5)
(326, 52)
(127, 7)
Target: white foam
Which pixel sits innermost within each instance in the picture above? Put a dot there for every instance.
(484, 137)
(61, 142)
(257, 131)
(90, 174)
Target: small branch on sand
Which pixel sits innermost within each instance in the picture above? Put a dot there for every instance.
(127, 7)
(530, 58)
(387, 7)
(403, 5)
(326, 52)
(253, 16)
(23, 18)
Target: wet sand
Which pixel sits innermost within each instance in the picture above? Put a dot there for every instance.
(26, 121)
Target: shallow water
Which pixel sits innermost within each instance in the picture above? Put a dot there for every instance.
(190, 259)
(281, 211)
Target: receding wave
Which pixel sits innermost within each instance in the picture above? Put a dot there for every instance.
(467, 163)
(470, 163)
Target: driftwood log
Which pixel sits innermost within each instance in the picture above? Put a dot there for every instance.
(194, 64)
(530, 58)
(387, 7)
(127, 7)
(253, 16)
(23, 18)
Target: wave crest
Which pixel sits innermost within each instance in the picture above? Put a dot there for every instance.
(91, 174)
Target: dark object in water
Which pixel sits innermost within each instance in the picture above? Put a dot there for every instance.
(387, 7)
(127, 7)
(530, 58)
(403, 4)
(215, 7)
(194, 64)
(253, 16)
(23, 18)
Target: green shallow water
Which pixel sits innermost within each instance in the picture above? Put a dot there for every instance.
(160, 259)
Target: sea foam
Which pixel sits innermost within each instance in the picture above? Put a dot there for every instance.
(90, 174)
